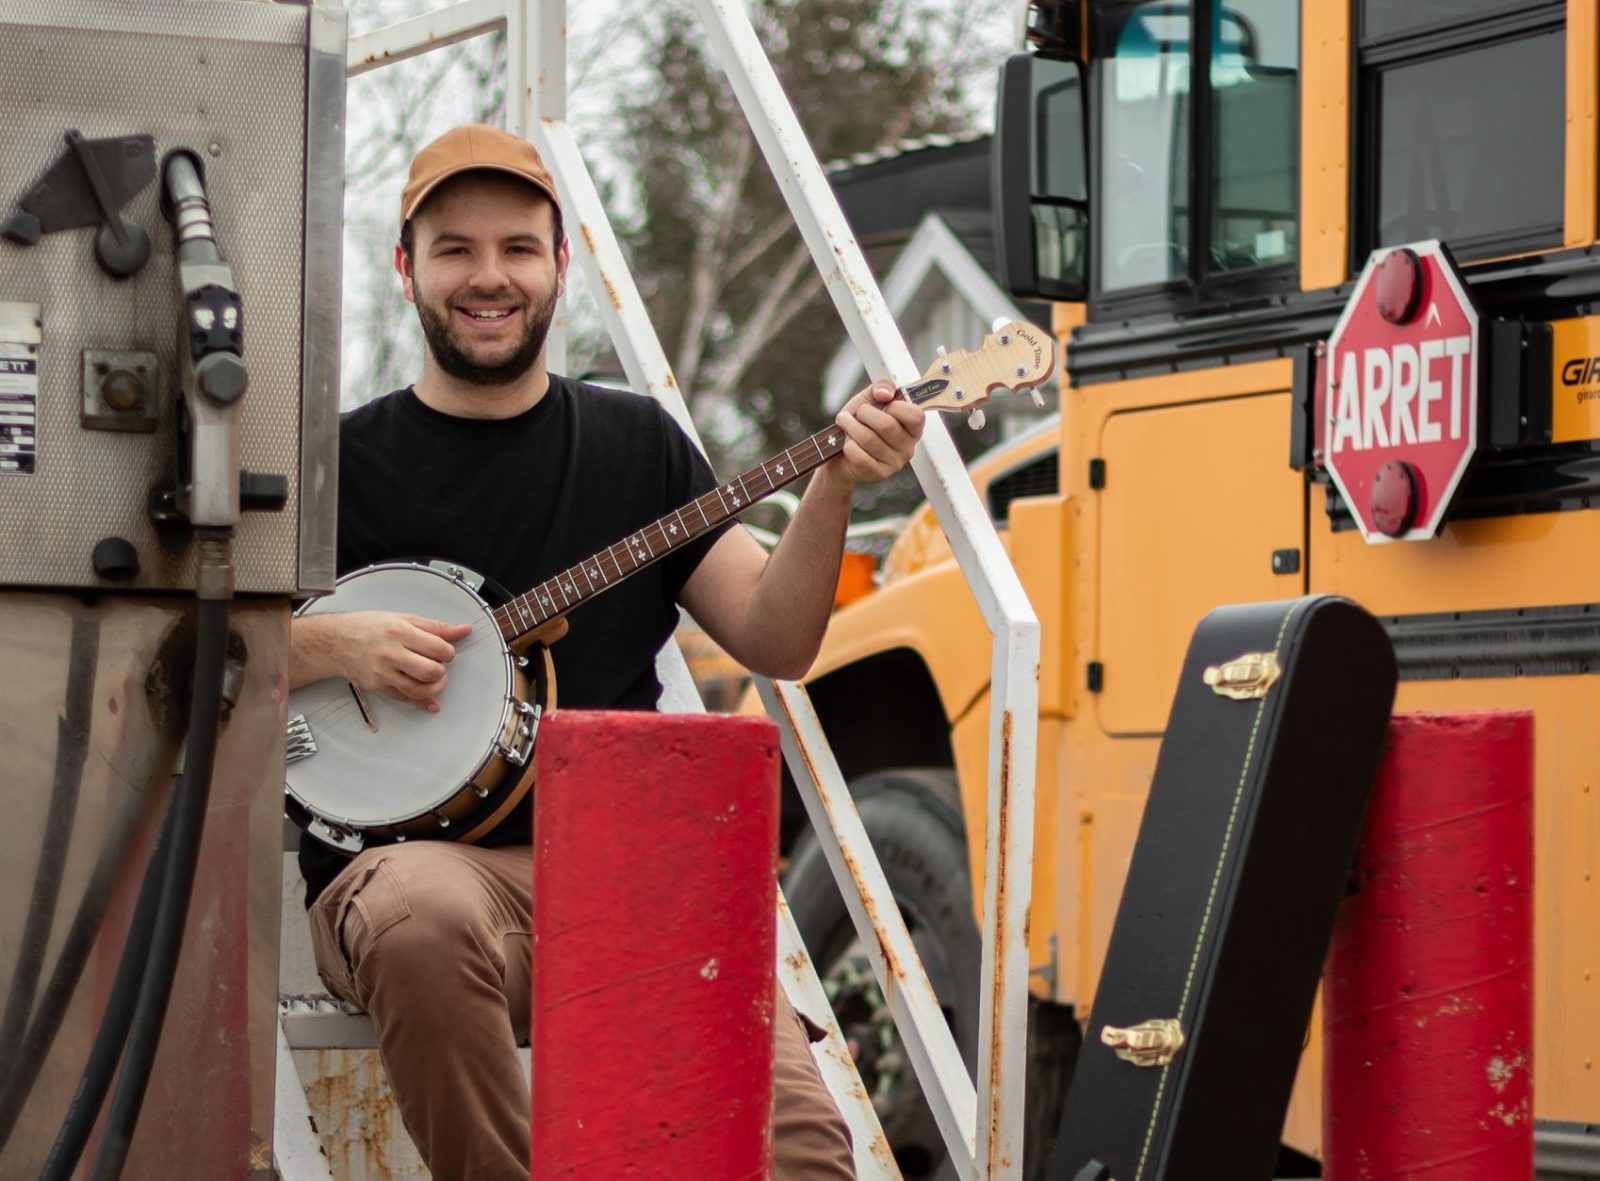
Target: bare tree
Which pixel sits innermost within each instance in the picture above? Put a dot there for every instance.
(730, 285)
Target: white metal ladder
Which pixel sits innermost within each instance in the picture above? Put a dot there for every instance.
(982, 1126)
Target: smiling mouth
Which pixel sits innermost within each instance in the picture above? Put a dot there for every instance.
(487, 315)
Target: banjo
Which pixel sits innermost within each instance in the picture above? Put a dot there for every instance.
(363, 769)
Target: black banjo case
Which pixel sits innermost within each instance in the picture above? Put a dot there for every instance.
(1241, 860)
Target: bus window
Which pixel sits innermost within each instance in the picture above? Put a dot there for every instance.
(1196, 167)
(1255, 57)
(1386, 18)
(1463, 135)
(1143, 234)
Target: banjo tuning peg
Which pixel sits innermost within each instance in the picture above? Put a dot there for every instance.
(975, 420)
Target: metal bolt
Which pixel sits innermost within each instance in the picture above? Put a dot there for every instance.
(945, 368)
(213, 149)
(960, 394)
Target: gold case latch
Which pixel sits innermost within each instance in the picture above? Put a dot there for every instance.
(1247, 678)
(1150, 1043)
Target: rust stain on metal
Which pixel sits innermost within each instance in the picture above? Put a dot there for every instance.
(805, 754)
(893, 971)
(884, 1155)
(611, 294)
(999, 944)
(796, 961)
(360, 1119)
(588, 237)
(894, 975)
(670, 382)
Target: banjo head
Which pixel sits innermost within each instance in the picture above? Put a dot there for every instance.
(380, 762)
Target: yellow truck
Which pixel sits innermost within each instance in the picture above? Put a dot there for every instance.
(1230, 204)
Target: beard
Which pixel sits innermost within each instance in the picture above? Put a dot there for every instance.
(453, 359)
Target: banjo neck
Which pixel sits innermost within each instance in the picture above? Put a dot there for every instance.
(1016, 355)
(577, 584)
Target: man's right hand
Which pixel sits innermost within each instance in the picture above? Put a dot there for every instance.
(395, 655)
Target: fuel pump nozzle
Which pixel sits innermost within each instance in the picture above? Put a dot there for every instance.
(210, 356)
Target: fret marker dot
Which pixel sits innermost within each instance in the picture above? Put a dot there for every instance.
(779, 469)
(569, 588)
(831, 439)
(641, 554)
(672, 528)
(595, 573)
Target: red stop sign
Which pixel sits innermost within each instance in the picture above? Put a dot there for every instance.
(1400, 411)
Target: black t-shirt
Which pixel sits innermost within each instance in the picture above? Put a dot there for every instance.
(518, 500)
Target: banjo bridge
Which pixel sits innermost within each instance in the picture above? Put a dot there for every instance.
(365, 706)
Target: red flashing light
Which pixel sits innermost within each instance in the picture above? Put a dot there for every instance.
(1399, 286)
(1394, 498)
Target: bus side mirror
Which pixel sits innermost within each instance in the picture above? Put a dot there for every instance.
(1040, 178)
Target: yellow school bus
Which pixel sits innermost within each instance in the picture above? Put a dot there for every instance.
(1200, 186)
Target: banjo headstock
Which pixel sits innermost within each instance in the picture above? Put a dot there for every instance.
(1015, 355)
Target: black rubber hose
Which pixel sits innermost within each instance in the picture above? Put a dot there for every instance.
(188, 823)
(106, 1051)
(72, 745)
(71, 960)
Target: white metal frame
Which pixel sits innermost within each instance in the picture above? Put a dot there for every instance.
(982, 1126)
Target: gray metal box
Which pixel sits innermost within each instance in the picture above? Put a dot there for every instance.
(257, 90)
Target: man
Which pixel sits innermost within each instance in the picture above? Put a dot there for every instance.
(494, 464)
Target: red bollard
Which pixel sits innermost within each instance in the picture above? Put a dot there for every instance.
(1428, 993)
(654, 945)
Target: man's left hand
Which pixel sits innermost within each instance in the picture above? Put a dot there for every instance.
(882, 434)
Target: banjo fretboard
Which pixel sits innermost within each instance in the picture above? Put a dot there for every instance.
(578, 584)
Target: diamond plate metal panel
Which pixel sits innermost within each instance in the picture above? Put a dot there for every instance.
(227, 79)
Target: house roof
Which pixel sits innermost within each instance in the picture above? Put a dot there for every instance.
(886, 194)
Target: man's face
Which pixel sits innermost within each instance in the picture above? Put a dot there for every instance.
(485, 276)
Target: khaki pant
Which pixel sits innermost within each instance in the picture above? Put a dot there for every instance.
(433, 940)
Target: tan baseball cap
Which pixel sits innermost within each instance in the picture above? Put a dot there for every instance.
(464, 149)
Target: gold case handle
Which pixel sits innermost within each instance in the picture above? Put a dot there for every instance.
(1150, 1043)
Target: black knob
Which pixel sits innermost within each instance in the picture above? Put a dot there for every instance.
(263, 492)
(115, 559)
(23, 229)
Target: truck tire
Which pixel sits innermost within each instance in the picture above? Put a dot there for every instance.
(913, 819)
